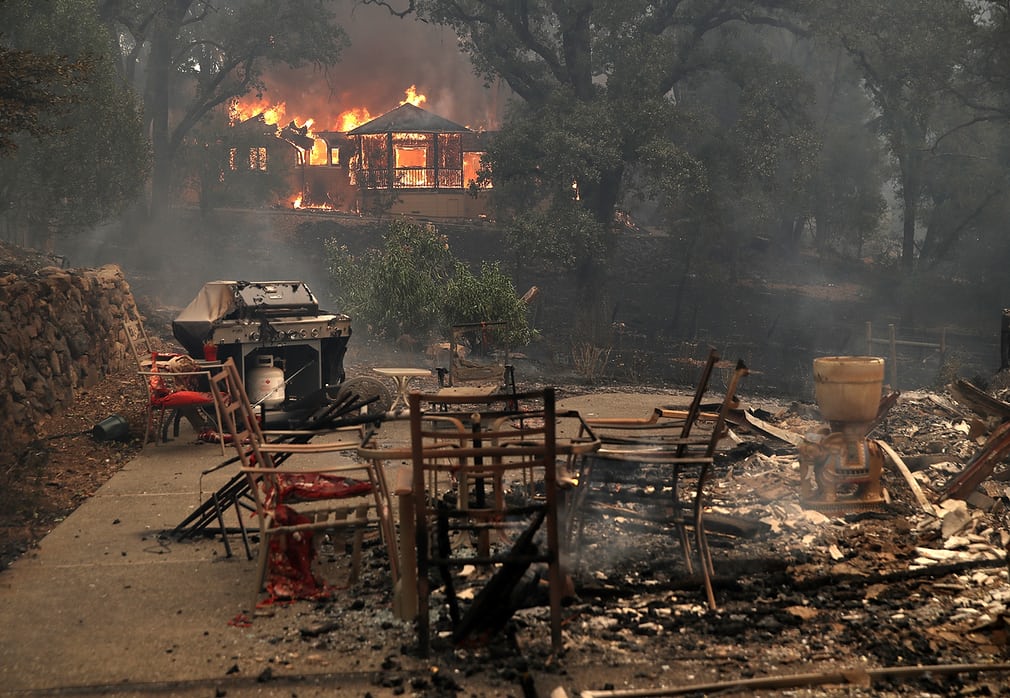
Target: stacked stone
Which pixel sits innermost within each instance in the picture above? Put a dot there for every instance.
(60, 330)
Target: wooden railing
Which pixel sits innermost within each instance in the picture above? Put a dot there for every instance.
(412, 178)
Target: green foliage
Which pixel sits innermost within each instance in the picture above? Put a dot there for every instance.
(35, 87)
(189, 58)
(487, 296)
(414, 285)
(562, 237)
(910, 54)
(92, 158)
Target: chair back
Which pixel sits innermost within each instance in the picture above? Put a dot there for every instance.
(474, 451)
(238, 416)
(137, 338)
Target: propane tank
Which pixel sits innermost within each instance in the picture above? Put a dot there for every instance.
(265, 383)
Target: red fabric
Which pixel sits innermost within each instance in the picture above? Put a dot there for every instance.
(289, 568)
(308, 486)
(290, 563)
(182, 398)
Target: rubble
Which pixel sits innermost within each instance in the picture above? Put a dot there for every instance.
(938, 566)
(900, 600)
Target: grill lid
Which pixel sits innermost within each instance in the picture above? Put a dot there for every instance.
(220, 302)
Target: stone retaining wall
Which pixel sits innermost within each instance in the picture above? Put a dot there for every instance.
(60, 330)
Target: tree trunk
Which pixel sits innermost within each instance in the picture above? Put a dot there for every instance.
(910, 198)
(160, 87)
(911, 187)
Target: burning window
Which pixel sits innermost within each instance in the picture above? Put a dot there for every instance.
(335, 156)
(257, 159)
(318, 155)
(410, 156)
(471, 166)
(410, 159)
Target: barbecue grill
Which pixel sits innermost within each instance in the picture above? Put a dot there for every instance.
(275, 323)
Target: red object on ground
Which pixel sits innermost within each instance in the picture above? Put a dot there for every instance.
(308, 486)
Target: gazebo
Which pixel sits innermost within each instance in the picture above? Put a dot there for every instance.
(425, 161)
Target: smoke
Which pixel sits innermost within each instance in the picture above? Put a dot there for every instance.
(169, 260)
(386, 57)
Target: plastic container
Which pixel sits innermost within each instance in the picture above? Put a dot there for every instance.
(114, 428)
(847, 388)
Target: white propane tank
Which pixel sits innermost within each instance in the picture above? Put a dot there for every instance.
(265, 383)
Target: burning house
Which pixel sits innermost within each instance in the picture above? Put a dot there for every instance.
(407, 161)
(426, 162)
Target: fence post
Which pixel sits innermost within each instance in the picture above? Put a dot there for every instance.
(1004, 341)
(894, 358)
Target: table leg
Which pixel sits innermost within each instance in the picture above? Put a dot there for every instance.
(401, 392)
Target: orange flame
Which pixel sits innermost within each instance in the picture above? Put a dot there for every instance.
(351, 119)
(275, 115)
(412, 97)
(243, 110)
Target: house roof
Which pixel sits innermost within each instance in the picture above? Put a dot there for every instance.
(407, 118)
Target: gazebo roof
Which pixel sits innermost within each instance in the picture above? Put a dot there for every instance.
(407, 118)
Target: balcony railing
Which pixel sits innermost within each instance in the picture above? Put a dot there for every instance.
(412, 178)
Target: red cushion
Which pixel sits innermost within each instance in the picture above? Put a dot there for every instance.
(183, 398)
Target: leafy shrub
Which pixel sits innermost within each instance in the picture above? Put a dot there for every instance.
(415, 286)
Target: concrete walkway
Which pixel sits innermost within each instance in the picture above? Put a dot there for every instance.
(109, 605)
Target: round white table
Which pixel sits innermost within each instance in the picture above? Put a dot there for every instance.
(402, 378)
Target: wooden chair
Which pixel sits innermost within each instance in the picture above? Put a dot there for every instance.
(293, 502)
(643, 455)
(466, 512)
(478, 361)
(144, 352)
(450, 432)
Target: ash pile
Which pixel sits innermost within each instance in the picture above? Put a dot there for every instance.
(905, 593)
(916, 575)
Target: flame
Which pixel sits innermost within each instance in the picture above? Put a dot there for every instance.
(297, 203)
(245, 109)
(274, 114)
(351, 119)
(412, 97)
(319, 153)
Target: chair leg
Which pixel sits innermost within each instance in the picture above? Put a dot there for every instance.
(679, 523)
(704, 561)
(150, 426)
(423, 585)
(407, 606)
(219, 514)
(263, 558)
(360, 515)
(701, 539)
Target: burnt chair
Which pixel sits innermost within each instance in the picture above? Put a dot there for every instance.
(484, 491)
(295, 499)
(139, 341)
(477, 361)
(638, 470)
